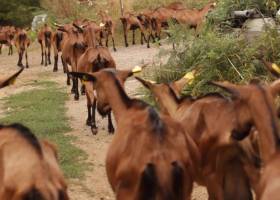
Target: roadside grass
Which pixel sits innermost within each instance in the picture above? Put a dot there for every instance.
(43, 111)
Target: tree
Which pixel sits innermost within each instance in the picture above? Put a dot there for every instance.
(17, 12)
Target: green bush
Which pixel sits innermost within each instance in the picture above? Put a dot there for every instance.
(217, 56)
(18, 12)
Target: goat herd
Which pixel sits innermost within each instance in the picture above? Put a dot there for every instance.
(230, 145)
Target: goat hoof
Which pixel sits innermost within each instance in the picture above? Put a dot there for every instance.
(27, 66)
(115, 49)
(55, 70)
(76, 97)
(89, 123)
(111, 130)
(83, 93)
(126, 45)
(94, 130)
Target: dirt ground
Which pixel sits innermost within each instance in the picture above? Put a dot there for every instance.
(95, 185)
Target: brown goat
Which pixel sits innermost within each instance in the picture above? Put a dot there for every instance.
(29, 168)
(73, 47)
(22, 43)
(7, 35)
(10, 80)
(108, 28)
(93, 60)
(57, 42)
(222, 170)
(259, 100)
(193, 18)
(131, 22)
(45, 40)
(149, 157)
(148, 19)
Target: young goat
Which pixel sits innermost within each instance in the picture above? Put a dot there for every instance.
(10, 80)
(149, 157)
(222, 170)
(29, 168)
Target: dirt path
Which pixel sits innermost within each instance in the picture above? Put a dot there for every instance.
(95, 185)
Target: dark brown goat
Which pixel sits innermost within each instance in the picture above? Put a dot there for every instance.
(131, 22)
(149, 157)
(22, 43)
(45, 40)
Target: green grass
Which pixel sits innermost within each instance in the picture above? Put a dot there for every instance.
(43, 111)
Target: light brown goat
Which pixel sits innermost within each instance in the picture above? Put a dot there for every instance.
(150, 156)
(193, 18)
(45, 40)
(223, 170)
(10, 80)
(29, 168)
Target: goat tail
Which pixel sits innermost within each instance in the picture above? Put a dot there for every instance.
(236, 183)
(169, 185)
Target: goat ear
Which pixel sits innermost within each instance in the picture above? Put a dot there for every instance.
(51, 146)
(83, 76)
(275, 88)
(147, 84)
(179, 85)
(11, 79)
(229, 87)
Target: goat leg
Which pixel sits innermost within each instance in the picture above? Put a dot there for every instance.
(111, 129)
(42, 50)
(46, 58)
(89, 119)
(94, 128)
(133, 37)
(55, 68)
(83, 89)
(49, 56)
(113, 41)
(26, 58)
(76, 97)
(20, 54)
